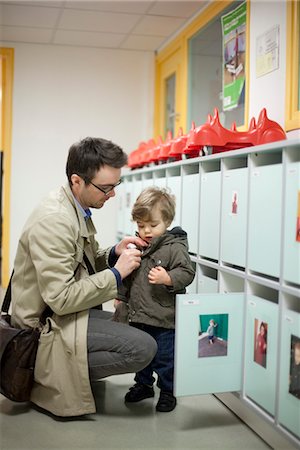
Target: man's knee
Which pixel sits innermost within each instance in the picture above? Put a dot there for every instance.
(145, 350)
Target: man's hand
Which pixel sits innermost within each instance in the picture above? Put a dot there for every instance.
(129, 260)
(122, 245)
(159, 275)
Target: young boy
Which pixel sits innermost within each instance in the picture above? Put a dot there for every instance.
(211, 331)
(150, 291)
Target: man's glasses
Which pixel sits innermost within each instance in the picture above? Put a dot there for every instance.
(109, 188)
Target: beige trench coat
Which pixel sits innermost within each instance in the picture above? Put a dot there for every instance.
(49, 270)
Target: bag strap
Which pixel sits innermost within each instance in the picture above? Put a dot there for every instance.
(88, 264)
(7, 297)
(91, 272)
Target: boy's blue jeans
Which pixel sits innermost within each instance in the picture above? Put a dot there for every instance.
(163, 362)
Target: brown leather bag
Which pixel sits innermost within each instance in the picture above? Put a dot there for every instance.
(18, 348)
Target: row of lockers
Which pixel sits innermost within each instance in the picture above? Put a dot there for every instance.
(235, 216)
(253, 368)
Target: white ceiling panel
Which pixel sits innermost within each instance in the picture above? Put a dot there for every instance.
(88, 39)
(138, 25)
(131, 7)
(50, 3)
(97, 21)
(28, 16)
(174, 9)
(25, 34)
(157, 25)
(147, 43)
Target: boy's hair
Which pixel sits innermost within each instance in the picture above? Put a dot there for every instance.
(87, 156)
(151, 197)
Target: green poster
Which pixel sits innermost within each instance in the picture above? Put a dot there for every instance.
(234, 51)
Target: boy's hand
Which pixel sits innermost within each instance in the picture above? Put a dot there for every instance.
(159, 275)
(116, 303)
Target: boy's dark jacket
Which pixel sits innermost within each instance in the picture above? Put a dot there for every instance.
(154, 304)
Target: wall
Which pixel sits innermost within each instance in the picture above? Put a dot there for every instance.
(269, 90)
(62, 94)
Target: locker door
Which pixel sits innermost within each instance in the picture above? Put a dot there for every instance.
(201, 367)
(265, 219)
(291, 268)
(234, 217)
(261, 352)
(210, 215)
(174, 184)
(289, 411)
(190, 209)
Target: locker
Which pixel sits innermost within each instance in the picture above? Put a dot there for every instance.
(190, 209)
(291, 267)
(209, 226)
(265, 219)
(289, 408)
(234, 217)
(128, 196)
(174, 184)
(260, 362)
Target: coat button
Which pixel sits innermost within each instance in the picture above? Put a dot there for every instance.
(133, 312)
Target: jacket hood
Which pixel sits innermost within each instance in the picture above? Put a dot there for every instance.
(176, 234)
(178, 231)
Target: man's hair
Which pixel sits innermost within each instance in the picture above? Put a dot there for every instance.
(150, 198)
(87, 156)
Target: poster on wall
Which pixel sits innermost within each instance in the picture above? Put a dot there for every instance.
(234, 56)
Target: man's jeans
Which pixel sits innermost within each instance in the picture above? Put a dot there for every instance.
(163, 361)
(115, 348)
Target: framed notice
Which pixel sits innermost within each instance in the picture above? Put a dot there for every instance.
(267, 52)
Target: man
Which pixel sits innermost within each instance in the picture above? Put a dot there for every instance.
(79, 343)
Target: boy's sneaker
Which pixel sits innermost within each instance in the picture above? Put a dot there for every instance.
(139, 392)
(166, 402)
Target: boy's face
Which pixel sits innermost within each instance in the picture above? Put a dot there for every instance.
(155, 227)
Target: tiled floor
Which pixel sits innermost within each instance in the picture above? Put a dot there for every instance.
(200, 422)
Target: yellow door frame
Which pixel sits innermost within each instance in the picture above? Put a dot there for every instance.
(7, 65)
(292, 112)
(169, 67)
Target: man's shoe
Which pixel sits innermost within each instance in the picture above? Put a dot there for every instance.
(139, 392)
(166, 402)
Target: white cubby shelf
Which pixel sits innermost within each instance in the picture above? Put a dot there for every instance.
(239, 209)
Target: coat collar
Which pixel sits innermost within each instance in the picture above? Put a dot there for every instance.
(86, 226)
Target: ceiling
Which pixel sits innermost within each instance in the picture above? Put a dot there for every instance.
(132, 25)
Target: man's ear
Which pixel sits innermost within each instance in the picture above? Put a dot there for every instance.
(76, 180)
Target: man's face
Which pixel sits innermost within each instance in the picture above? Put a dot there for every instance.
(91, 195)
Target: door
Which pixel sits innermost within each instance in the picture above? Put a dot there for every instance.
(169, 103)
